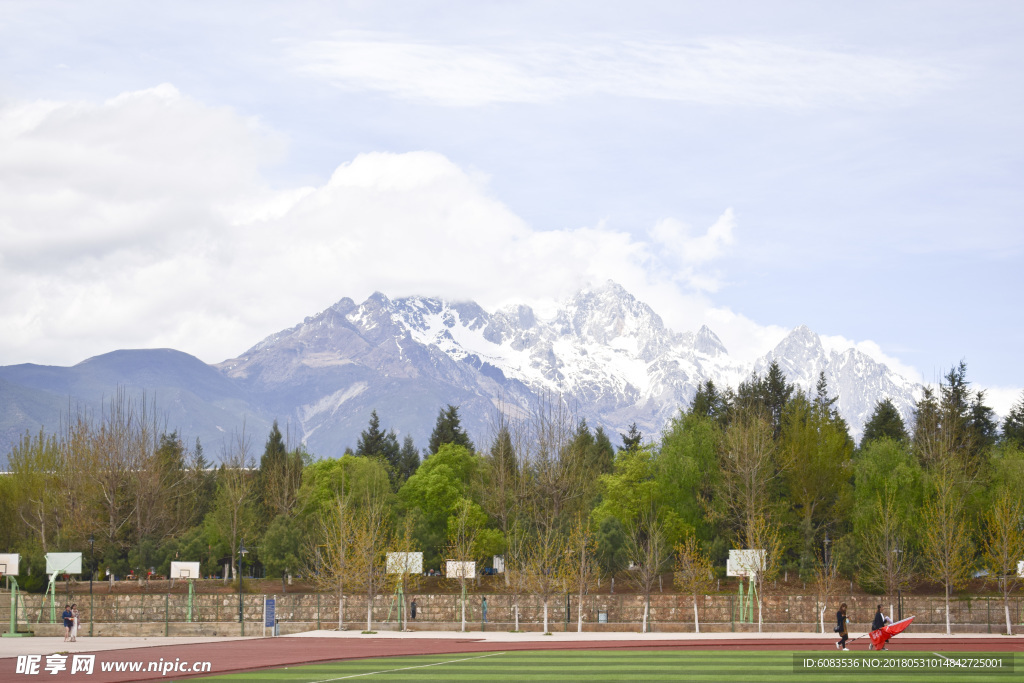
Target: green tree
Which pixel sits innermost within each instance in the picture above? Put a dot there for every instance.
(281, 550)
(435, 489)
(885, 422)
(1013, 424)
(408, 460)
(816, 456)
(709, 402)
(631, 440)
(279, 476)
(448, 430)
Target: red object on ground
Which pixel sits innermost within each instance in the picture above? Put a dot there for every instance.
(881, 636)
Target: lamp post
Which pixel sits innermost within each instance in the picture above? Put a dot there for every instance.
(241, 551)
(92, 562)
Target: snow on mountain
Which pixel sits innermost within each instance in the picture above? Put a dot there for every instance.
(856, 379)
(607, 353)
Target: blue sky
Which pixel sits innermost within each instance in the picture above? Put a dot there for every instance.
(195, 176)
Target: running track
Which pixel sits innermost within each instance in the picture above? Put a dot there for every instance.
(261, 653)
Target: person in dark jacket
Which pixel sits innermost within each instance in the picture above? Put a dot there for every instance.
(413, 609)
(68, 621)
(841, 627)
(879, 620)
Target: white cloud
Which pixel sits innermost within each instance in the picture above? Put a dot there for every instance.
(144, 221)
(727, 71)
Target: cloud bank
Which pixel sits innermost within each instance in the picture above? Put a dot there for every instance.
(715, 71)
(146, 221)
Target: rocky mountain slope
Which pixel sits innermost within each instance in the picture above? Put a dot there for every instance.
(605, 352)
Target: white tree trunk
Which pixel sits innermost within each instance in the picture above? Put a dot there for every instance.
(696, 616)
(647, 606)
(949, 631)
(760, 603)
(546, 615)
(463, 609)
(1009, 629)
(341, 613)
(517, 613)
(821, 616)
(369, 613)
(579, 614)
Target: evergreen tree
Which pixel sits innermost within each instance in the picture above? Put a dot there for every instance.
(708, 402)
(602, 455)
(982, 424)
(408, 459)
(885, 422)
(448, 430)
(926, 422)
(1013, 425)
(777, 395)
(279, 476)
(632, 440)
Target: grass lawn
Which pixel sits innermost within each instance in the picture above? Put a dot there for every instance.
(608, 665)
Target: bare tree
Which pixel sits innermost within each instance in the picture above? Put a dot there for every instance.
(763, 535)
(234, 513)
(693, 572)
(826, 581)
(34, 464)
(401, 574)
(370, 539)
(886, 562)
(502, 492)
(462, 537)
(1004, 544)
(516, 566)
(948, 550)
(543, 566)
(332, 549)
(648, 553)
(581, 567)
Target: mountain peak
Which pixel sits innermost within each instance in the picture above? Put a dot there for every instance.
(708, 343)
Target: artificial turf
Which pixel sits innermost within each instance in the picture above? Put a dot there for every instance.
(633, 665)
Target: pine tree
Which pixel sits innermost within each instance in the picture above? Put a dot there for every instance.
(602, 457)
(777, 395)
(1013, 425)
(448, 430)
(372, 439)
(408, 459)
(708, 402)
(885, 422)
(982, 424)
(632, 440)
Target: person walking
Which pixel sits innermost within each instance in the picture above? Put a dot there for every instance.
(483, 608)
(74, 623)
(841, 627)
(66, 616)
(413, 610)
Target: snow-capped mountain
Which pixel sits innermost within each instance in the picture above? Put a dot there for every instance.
(608, 354)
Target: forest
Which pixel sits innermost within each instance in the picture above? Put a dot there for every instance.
(937, 500)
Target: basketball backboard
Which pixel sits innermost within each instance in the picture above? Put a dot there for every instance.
(9, 564)
(405, 563)
(64, 563)
(460, 570)
(184, 570)
(744, 562)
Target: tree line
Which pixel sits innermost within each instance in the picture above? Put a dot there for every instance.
(763, 465)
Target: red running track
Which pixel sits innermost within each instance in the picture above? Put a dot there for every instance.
(263, 653)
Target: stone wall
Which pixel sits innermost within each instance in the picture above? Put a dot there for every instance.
(163, 613)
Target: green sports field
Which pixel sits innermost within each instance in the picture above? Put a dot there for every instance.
(660, 665)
